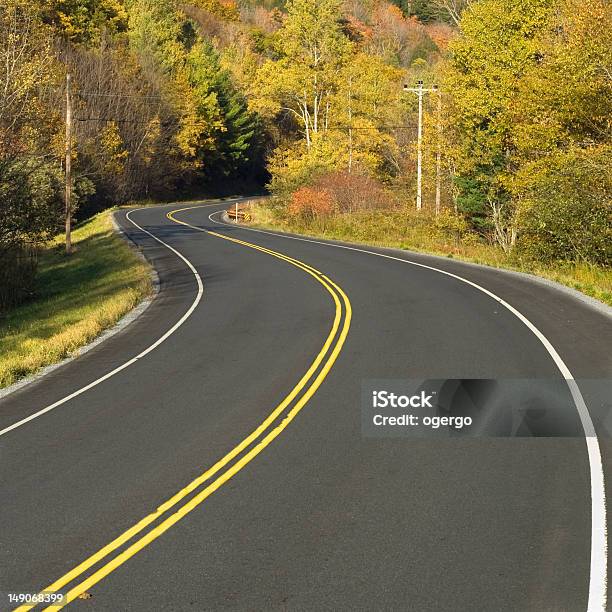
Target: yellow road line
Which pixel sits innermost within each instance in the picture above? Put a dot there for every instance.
(334, 290)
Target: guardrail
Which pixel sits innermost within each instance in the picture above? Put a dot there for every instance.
(237, 214)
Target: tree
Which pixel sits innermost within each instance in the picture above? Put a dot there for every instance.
(528, 124)
(499, 43)
(172, 55)
(565, 99)
(424, 10)
(563, 139)
(215, 128)
(26, 62)
(227, 10)
(453, 9)
(312, 49)
(234, 134)
(398, 39)
(30, 201)
(125, 141)
(84, 21)
(367, 102)
(339, 98)
(565, 206)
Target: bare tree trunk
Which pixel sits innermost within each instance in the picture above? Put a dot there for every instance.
(306, 116)
(317, 102)
(453, 8)
(504, 228)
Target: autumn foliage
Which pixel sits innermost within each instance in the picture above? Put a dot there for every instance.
(352, 192)
(339, 192)
(307, 97)
(311, 203)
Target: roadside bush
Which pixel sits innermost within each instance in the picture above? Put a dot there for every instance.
(452, 225)
(565, 207)
(30, 212)
(353, 192)
(309, 203)
(17, 275)
(339, 193)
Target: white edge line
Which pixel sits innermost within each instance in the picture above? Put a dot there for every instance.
(599, 544)
(137, 357)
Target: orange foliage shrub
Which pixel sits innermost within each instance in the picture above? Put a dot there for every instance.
(441, 34)
(264, 20)
(352, 192)
(310, 203)
(357, 30)
(394, 34)
(339, 192)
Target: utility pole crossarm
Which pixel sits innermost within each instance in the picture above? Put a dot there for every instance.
(424, 90)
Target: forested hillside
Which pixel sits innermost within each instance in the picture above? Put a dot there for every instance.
(307, 98)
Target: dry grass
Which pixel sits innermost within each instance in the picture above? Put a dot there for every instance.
(77, 298)
(399, 229)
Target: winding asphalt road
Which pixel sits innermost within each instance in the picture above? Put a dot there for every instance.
(225, 467)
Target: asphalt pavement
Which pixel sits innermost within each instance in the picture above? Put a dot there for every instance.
(226, 466)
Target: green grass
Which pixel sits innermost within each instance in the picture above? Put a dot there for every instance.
(407, 230)
(77, 298)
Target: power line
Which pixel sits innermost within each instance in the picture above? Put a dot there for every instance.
(102, 95)
(113, 120)
(178, 122)
(380, 127)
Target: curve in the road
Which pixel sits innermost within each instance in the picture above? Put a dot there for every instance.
(140, 355)
(599, 541)
(255, 443)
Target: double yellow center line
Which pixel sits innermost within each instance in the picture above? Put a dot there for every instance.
(173, 510)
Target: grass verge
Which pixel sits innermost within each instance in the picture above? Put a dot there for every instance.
(78, 297)
(409, 231)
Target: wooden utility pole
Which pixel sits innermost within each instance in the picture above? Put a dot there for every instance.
(68, 164)
(420, 91)
(439, 153)
(419, 203)
(350, 122)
